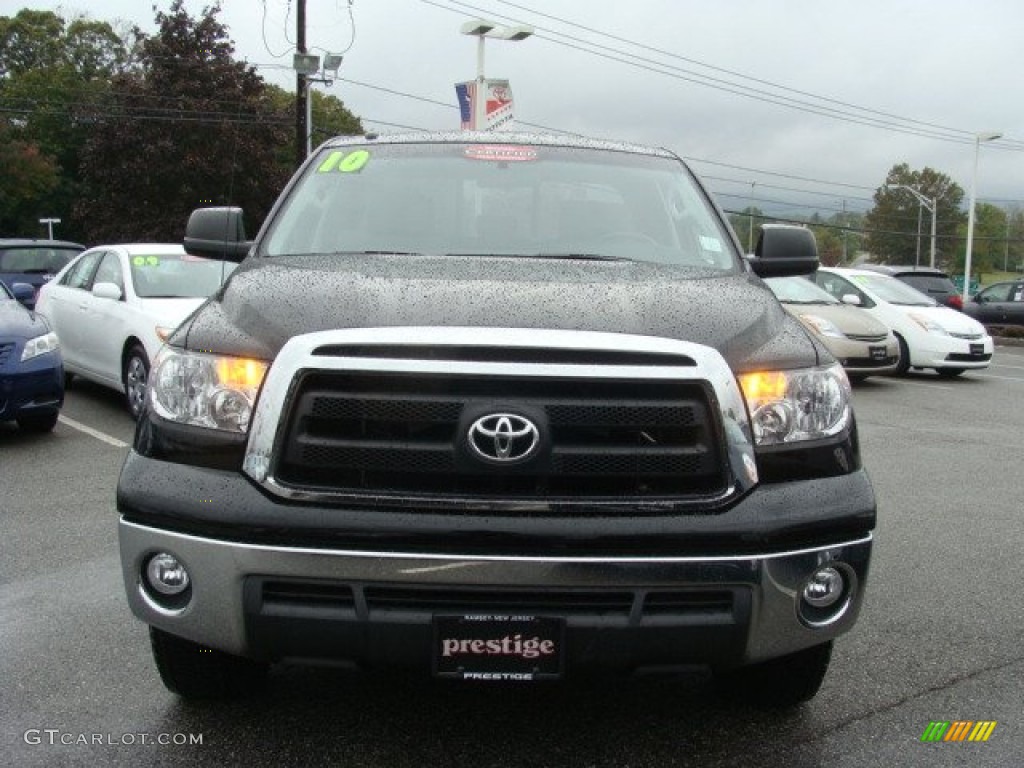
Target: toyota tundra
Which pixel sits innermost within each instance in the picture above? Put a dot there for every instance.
(496, 407)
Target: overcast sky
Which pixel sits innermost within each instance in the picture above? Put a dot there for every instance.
(699, 77)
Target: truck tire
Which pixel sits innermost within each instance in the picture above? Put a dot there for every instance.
(194, 671)
(779, 683)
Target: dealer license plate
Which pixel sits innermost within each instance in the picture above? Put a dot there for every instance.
(496, 647)
(877, 353)
(977, 350)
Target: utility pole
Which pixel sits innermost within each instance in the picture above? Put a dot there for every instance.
(301, 87)
(1006, 252)
(750, 220)
(844, 261)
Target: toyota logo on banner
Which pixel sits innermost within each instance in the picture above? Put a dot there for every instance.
(504, 438)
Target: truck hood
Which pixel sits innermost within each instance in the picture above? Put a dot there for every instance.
(267, 301)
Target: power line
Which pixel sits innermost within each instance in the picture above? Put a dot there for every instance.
(733, 73)
(939, 133)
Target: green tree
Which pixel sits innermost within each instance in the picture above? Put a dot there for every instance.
(28, 176)
(892, 223)
(988, 243)
(330, 118)
(1013, 250)
(191, 126)
(747, 225)
(53, 74)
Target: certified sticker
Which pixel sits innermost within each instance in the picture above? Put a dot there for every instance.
(501, 153)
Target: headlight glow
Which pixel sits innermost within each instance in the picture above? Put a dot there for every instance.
(823, 326)
(205, 390)
(792, 406)
(40, 345)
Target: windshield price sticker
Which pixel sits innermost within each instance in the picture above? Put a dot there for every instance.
(498, 648)
(501, 153)
(339, 161)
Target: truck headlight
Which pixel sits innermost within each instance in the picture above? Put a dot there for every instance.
(205, 390)
(40, 345)
(803, 404)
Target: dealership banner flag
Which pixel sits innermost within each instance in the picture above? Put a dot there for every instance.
(484, 105)
(498, 103)
(466, 93)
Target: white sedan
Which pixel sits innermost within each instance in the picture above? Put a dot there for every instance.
(114, 305)
(930, 335)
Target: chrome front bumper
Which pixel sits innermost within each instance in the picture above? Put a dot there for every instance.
(768, 585)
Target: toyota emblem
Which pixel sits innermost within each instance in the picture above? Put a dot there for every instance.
(504, 438)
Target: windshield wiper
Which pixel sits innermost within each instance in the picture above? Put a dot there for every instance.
(383, 253)
(577, 256)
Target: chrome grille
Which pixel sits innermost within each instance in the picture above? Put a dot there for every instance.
(968, 336)
(383, 432)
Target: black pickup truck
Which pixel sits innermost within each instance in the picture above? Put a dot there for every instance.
(498, 407)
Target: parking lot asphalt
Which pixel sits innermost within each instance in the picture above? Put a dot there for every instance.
(938, 640)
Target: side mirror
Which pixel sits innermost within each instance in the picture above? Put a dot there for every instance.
(852, 299)
(784, 250)
(24, 294)
(107, 291)
(217, 233)
(978, 298)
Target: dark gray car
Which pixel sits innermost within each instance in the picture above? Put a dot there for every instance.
(999, 304)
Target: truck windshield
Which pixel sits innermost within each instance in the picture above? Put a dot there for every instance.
(501, 200)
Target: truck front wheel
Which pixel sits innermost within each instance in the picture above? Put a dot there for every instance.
(194, 671)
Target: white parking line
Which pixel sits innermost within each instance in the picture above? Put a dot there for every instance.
(1000, 378)
(924, 384)
(1011, 367)
(93, 432)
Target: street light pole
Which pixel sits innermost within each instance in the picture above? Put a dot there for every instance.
(978, 138)
(917, 250)
(750, 222)
(480, 29)
(49, 224)
(931, 204)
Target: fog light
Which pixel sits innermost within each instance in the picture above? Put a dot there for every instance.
(166, 574)
(824, 587)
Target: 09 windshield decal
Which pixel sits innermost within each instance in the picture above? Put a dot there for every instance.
(145, 261)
